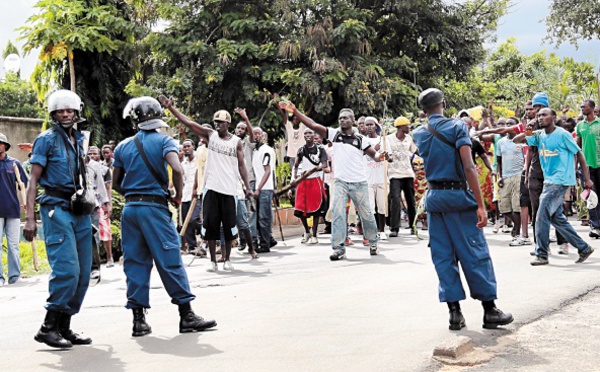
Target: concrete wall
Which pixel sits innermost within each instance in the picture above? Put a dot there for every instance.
(19, 130)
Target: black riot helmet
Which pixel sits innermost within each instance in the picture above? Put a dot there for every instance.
(430, 97)
(145, 112)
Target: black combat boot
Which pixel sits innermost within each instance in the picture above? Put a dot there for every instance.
(494, 317)
(190, 322)
(49, 334)
(140, 327)
(64, 327)
(457, 321)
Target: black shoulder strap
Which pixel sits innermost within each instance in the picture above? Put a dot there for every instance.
(155, 174)
(437, 134)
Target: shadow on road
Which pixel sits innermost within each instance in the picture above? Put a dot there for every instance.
(177, 346)
(86, 358)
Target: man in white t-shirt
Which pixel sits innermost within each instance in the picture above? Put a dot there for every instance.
(294, 132)
(376, 176)
(261, 222)
(401, 174)
(190, 169)
(351, 177)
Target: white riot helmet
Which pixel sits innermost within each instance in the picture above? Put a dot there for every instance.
(145, 113)
(65, 100)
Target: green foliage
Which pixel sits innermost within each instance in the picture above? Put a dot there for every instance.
(10, 49)
(18, 99)
(511, 78)
(323, 55)
(97, 38)
(572, 20)
(283, 174)
(26, 258)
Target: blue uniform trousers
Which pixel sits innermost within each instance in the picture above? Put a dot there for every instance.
(68, 241)
(150, 235)
(454, 238)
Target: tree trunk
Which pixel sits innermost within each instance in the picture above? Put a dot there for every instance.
(71, 70)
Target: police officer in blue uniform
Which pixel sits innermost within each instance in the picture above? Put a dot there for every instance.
(56, 164)
(456, 213)
(147, 229)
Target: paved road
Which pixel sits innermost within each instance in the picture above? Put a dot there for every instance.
(292, 310)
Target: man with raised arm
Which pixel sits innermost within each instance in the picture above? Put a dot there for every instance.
(351, 177)
(224, 165)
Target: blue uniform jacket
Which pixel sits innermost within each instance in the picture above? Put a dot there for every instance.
(50, 152)
(443, 163)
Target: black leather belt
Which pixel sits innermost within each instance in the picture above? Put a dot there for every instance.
(448, 185)
(66, 195)
(147, 198)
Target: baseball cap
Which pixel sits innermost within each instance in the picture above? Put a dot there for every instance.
(222, 115)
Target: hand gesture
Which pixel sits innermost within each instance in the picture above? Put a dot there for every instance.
(27, 147)
(566, 109)
(241, 112)
(589, 184)
(287, 106)
(481, 218)
(165, 102)
(175, 201)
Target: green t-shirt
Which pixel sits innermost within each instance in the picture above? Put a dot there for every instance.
(590, 141)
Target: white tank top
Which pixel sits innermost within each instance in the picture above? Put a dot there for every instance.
(222, 173)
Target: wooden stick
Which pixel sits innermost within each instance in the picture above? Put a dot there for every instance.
(278, 219)
(23, 195)
(295, 182)
(189, 216)
(385, 170)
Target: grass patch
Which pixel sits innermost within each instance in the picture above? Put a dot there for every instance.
(26, 256)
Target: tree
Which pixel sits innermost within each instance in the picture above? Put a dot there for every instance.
(10, 49)
(64, 26)
(18, 99)
(95, 40)
(572, 20)
(322, 54)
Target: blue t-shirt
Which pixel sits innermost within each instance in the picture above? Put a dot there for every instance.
(9, 202)
(443, 163)
(557, 155)
(138, 179)
(50, 152)
(512, 157)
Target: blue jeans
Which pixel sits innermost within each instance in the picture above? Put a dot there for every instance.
(261, 222)
(359, 193)
(551, 212)
(11, 227)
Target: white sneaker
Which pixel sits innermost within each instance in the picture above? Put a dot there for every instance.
(564, 249)
(553, 238)
(110, 263)
(227, 266)
(382, 236)
(313, 240)
(2, 282)
(496, 227)
(526, 241)
(506, 229)
(213, 268)
(305, 238)
(516, 242)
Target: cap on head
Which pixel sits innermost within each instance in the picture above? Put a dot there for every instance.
(540, 99)
(222, 115)
(430, 97)
(4, 140)
(401, 121)
(145, 112)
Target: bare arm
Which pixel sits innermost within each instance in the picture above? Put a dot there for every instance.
(486, 161)
(118, 175)
(310, 123)
(473, 181)
(520, 138)
(586, 172)
(30, 227)
(242, 168)
(487, 137)
(194, 127)
(173, 160)
(374, 155)
(242, 113)
(264, 180)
